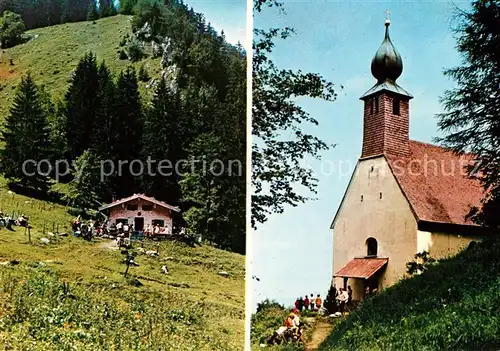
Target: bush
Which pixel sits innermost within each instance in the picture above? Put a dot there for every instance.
(266, 320)
(123, 42)
(11, 29)
(40, 308)
(123, 55)
(135, 50)
(422, 263)
(143, 74)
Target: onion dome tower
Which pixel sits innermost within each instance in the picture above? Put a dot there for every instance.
(386, 112)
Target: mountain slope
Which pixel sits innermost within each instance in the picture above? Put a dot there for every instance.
(454, 305)
(53, 53)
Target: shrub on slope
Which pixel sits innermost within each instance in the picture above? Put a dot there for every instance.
(268, 318)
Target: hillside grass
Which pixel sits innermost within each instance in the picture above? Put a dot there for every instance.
(455, 305)
(54, 52)
(72, 295)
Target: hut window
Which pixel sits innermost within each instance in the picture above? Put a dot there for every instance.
(371, 106)
(147, 207)
(361, 198)
(376, 104)
(395, 107)
(371, 247)
(159, 222)
(132, 207)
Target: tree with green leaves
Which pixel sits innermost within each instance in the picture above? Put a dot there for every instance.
(26, 136)
(276, 160)
(471, 121)
(11, 29)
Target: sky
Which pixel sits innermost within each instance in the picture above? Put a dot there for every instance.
(227, 15)
(292, 252)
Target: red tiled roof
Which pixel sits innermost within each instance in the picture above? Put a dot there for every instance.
(140, 196)
(362, 268)
(436, 183)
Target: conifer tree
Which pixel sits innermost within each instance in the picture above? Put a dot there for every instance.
(106, 123)
(162, 140)
(331, 300)
(127, 6)
(74, 10)
(106, 8)
(93, 14)
(82, 104)
(471, 121)
(86, 188)
(26, 137)
(129, 131)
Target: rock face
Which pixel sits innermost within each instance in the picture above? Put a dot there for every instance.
(145, 33)
(166, 52)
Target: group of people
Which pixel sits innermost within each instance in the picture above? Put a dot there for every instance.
(87, 229)
(309, 303)
(291, 330)
(126, 228)
(7, 221)
(155, 230)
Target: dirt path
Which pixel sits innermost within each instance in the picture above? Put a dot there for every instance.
(321, 331)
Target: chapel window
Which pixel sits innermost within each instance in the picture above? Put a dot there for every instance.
(371, 247)
(395, 107)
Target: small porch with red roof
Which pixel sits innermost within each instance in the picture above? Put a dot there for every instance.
(366, 271)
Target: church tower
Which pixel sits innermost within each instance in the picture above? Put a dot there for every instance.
(386, 105)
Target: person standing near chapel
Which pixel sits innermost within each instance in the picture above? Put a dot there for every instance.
(311, 302)
(306, 302)
(318, 302)
(297, 303)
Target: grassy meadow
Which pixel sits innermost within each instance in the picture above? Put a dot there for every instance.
(71, 294)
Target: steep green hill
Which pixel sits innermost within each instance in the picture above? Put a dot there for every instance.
(53, 52)
(71, 294)
(455, 305)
